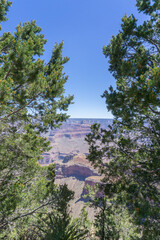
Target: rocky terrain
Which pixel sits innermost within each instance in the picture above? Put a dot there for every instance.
(68, 153)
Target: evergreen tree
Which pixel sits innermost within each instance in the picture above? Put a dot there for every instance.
(53, 221)
(111, 221)
(32, 100)
(128, 152)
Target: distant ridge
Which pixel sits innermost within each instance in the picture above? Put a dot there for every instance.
(103, 121)
(91, 118)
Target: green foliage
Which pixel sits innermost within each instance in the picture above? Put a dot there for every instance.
(32, 100)
(53, 220)
(111, 221)
(4, 5)
(127, 153)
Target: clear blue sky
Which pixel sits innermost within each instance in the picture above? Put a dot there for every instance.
(85, 26)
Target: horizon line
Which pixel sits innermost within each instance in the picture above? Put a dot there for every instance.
(88, 118)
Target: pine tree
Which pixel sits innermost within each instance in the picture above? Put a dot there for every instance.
(128, 153)
(32, 100)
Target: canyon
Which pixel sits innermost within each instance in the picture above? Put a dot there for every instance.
(68, 152)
